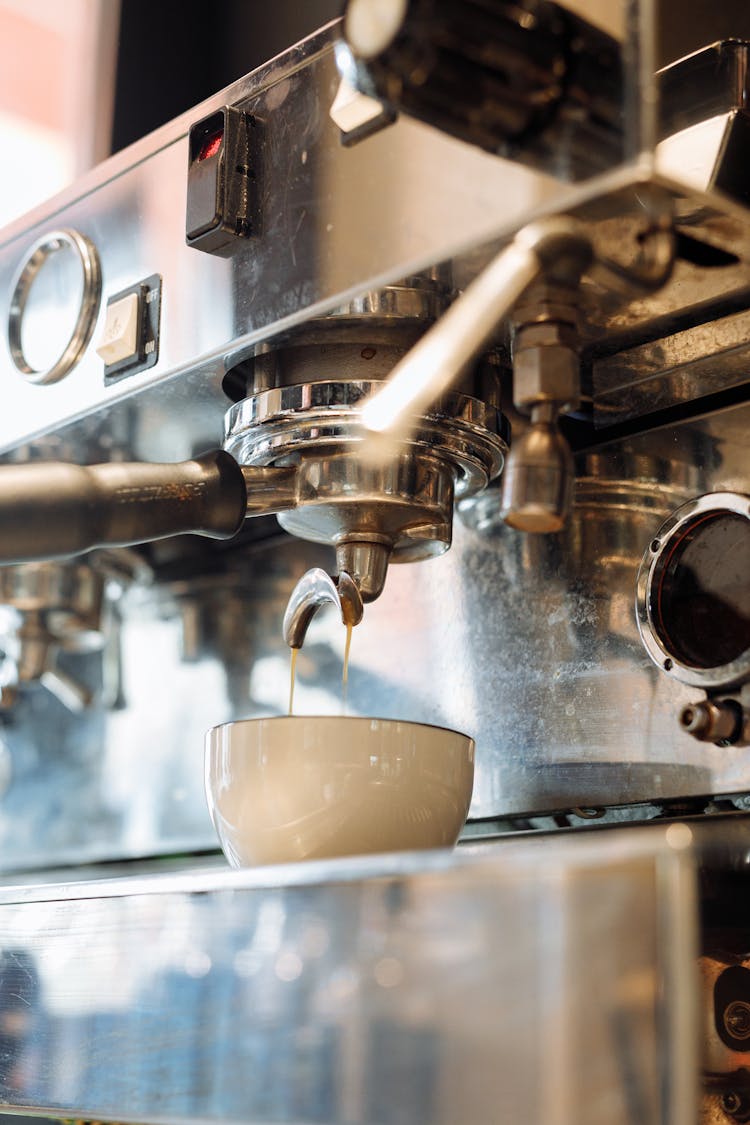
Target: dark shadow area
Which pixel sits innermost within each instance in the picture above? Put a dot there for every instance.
(685, 27)
(174, 53)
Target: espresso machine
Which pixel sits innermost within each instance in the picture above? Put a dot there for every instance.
(455, 285)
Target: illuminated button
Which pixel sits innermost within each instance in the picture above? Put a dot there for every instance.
(120, 339)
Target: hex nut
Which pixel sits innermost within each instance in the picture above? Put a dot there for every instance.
(546, 373)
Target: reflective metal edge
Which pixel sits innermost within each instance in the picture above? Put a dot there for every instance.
(415, 988)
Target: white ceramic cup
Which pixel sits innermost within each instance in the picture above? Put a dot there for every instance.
(312, 787)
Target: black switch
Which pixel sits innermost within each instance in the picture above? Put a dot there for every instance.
(221, 181)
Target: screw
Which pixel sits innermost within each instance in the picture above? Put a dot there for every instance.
(587, 813)
(736, 1105)
(737, 1019)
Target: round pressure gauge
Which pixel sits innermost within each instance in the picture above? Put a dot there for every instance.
(54, 306)
(693, 593)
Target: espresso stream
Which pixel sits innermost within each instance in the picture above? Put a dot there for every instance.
(344, 673)
(292, 674)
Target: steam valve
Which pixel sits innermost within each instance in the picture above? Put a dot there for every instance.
(538, 480)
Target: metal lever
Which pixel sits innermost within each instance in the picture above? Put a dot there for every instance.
(556, 248)
(53, 510)
(442, 354)
(316, 589)
(538, 475)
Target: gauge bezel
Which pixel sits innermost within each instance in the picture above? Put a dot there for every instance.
(720, 677)
(88, 310)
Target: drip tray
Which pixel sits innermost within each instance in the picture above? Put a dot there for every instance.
(553, 973)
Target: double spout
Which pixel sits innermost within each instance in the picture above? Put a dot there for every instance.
(314, 590)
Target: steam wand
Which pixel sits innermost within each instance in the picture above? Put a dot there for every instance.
(537, 483)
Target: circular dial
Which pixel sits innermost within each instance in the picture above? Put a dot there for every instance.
(54, 306)
(694, 592)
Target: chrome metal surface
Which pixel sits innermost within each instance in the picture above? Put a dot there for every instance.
(712, 721)
(560, 251)
(420, 299)
(269, 491)
(538, 481)
(406, 506)
(314, 590)
(362, 991)
(276, 425)
(538, 656)
(369, 992)
(309, 260)
(399, 509)
(366, 560)
(81, 330)
(441, 356)
(47, 609)
(357, 115)
(707, 357)
(653, 624)
(706, 95)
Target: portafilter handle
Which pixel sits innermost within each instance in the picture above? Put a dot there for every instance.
(53, 510)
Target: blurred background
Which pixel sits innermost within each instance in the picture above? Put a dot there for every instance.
(80, 79)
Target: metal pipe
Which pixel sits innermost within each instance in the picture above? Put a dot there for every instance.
(270, 490)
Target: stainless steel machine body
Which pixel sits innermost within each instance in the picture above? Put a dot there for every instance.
(357, 228)
(538, 658)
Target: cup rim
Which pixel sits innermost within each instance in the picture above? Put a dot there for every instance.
(340, 719)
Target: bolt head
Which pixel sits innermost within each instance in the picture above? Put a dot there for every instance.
(546, 373)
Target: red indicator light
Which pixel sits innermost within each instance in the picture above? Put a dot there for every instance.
(210, 146)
